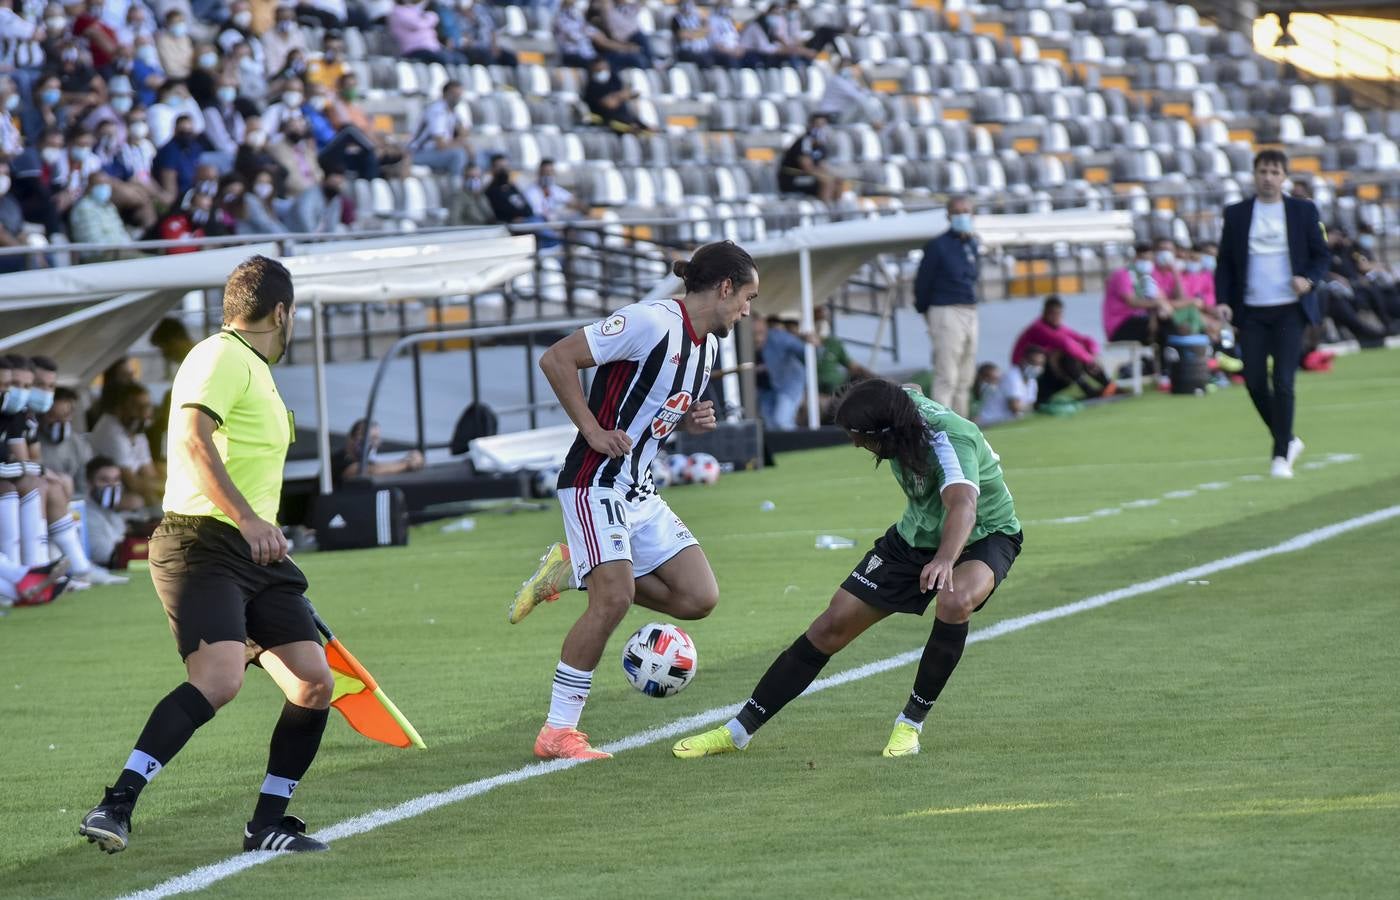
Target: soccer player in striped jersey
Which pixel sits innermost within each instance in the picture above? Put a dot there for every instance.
(955, 543)
(624, 543)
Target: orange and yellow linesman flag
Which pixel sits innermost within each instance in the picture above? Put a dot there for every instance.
(362, 701)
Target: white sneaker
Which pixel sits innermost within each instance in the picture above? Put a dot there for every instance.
(99, 575)
(78, 583)
(1295, 450)
(1281, 468)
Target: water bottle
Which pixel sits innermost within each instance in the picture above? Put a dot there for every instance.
(834, 542)
(464, 524)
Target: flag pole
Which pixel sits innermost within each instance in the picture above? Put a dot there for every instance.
(363, 674)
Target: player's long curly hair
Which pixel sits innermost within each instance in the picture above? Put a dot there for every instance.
(880, 416)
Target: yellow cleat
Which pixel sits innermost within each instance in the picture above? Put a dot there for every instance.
(549, 581)
(712, 742)
(904, 741)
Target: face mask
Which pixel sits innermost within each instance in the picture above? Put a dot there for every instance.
(4, 184)
(256, 139)
(107, 497)
(147, 54)
(57, 432)
(1143, 266)
(318, 102)
(546, 181)
(122, 103)
(199, 216)
(51, 155)
(12, 102)
(473, 183)
(101, 192)
(208, 60)
(1191, 265)
(350, 94)
(242, 19)
(40, 400)
(600, 77)
(961, 222)
(16, 398)
(208, 186)
(179, 29)
(1033, 372)
(263, 189)
(330, 56)
(286, 336)
(285, 25)
(50, 96)
(1207, 263)
(1165, 258)
(70, 55)
(291, 99)
(55, 23)
(821, 134)
(80, 154)
(1366, 241)
(228, 93)
(139, 130)
(184, 138)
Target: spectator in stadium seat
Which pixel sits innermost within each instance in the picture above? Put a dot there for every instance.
(345, 464)
(440, 140)
(253, 158)
(239, 30)
(121, 435)
(691, 36)
(65, 450)
(848, 99)
(192, 220)
(726, 43)
(175, 101)
(120, 99)
(323, 209)
(414, 29)
(11, 140)
(1068, 357)
(803, 168)
(607, 99)
(288, 104)
(550, 202)
(175, 46)
(133, 160)
(621, 21)
(203, 81)
(469, 206)
(11, 226)
(357, 145)
(573, 35)
(783, 30)
(479, 41)
(295, 152)
(146, 73)
(252, 81)
(41, 183)
(946, 293)
(328, 14)
(1133, 306)
(45, 111)
(760, 50)
(224, 125)
(94, 220)
(327, 69)
(249, 212)
(507, 202)
(100, 37)
(284, 38)
(175, 163)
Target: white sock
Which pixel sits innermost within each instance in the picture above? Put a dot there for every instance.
(143, 764)
(33, 530)
(9, 525)
(8, 592)
(918, 726)
(741, 737)
(64, 535)
(571, 687)
(10, 570)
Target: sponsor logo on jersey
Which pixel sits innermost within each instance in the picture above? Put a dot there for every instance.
(670, 414)
(618, 544)
(872, 564)
(675, 359)
(613, 325)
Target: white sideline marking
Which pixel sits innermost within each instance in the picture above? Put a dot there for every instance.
(204, 876)
(1330, 459)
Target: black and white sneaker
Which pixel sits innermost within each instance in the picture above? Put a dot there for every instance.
(288, 834)
(108, 824)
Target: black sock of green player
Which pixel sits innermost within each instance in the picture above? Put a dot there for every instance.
(177, 716)
(794, 669)
(941, 655)
(295, 740)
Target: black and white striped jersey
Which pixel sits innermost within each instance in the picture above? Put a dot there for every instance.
(651, 367)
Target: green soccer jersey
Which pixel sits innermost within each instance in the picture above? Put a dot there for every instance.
(232, 383)
(958, 454)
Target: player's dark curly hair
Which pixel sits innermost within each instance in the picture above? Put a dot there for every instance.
(712, 264)
(884, 418)
(255, 288)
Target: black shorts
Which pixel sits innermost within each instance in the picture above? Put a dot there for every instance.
(1138, 328)
(888, 576)
(213, 591)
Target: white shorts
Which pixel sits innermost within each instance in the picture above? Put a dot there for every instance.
(600, 526)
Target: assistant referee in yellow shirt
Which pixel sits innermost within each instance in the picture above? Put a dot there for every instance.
(220, 564)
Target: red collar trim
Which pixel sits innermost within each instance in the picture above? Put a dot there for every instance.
(689, 328)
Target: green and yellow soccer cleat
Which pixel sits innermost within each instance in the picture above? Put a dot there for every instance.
(711, 743)
(904, 741)
(549, 581)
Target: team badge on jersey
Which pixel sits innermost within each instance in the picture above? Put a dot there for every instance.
(670, 415)
(613, 325)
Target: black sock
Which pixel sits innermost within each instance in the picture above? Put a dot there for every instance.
(941, 655)
(295, 741)
(175, 718)
(794, 669)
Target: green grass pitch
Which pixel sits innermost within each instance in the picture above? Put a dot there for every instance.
(1230, 738)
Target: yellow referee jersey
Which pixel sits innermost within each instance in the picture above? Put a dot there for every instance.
(232, 383)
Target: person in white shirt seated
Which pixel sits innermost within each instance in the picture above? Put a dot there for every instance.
(121, 435)
(551, 203)
(1006, 396)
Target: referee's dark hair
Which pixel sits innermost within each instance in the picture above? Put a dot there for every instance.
(712, 264)
(884, 420)
(255, 288)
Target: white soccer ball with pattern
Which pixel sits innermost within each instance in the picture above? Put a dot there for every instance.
(704, 468)
(679, 464)
(544, 481)
(660, 474)
(659, 659)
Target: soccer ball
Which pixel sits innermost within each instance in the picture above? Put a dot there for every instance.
(660, 474)
(659, 660)
(543, 482)
(704, 468)
(679, 464)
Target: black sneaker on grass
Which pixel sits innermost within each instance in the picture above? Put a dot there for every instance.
(108, 824)
(288, 834)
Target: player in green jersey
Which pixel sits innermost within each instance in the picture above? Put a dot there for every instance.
(953, 546)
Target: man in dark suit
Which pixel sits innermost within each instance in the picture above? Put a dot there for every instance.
(1273, 254)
